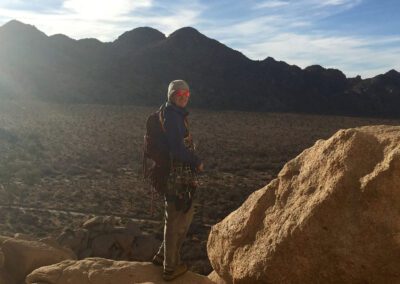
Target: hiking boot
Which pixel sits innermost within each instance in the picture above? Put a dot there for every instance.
(158, 260)
(171, 275)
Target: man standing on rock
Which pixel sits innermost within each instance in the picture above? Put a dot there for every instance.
(180, 182)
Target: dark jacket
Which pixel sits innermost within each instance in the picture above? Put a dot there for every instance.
(176, 131)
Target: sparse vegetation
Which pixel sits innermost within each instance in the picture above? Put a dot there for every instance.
(85, 160)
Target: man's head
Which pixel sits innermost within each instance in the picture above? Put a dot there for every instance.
(178, 93)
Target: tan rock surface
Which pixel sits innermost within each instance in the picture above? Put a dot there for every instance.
(1, 258)
(213, 276)
(5, 278)
(104, 271)
(22, 256)
(331, 216)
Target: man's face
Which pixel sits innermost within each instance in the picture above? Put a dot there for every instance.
(181, 100)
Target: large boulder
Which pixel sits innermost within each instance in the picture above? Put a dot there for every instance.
(22, 256)
(76, 240)
(213, 276)
(104, 271)
(331, 216)
(5, 278)
(1, 258)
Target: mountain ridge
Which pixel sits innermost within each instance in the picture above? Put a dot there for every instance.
(137, 67)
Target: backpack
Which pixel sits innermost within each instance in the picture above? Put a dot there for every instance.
(155, 146)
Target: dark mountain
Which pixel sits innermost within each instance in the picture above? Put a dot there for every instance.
(18, 32)
(377, 95)
(138, 39)
(137, 67)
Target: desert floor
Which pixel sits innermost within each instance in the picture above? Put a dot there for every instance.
(62, 164)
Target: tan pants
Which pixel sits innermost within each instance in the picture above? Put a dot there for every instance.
(176, 226)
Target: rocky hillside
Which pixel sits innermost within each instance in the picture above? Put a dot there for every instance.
(137, 67)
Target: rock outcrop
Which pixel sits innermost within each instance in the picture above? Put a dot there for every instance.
(5, 278)
(106, 237)
(21, 257)
(331, 216)
(1, 258)
(213, 276)
(103, 271)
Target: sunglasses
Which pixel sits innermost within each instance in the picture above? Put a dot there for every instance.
(183, 93)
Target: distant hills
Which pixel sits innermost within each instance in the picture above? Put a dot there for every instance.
(137, 67)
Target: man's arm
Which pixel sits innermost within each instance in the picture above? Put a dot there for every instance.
(175, 132)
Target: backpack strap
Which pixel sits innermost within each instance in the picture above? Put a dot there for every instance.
(185, 120)
(144, 159)
(161, 119)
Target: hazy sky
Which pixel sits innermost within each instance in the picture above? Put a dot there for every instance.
(356, 36)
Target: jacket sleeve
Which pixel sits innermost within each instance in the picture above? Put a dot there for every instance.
(175, 131)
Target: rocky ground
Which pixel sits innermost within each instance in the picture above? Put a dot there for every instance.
(62, 164)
